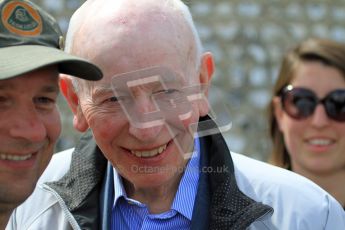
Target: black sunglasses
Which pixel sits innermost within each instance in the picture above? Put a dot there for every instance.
(300, 103)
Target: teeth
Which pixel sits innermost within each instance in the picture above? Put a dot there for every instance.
(14, 157)
(320, 142)
(149, 153)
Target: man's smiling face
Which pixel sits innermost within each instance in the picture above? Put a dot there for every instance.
(29, 128)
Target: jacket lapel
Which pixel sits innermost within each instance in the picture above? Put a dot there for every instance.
(228, 207)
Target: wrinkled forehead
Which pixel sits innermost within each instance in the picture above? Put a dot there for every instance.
(148, 79)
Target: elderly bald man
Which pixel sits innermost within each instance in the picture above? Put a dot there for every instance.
(152, 159)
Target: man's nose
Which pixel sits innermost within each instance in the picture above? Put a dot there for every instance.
(145, 104)
(145, 124)
(27, 124)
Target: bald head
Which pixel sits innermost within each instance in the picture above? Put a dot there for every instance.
(125, 35)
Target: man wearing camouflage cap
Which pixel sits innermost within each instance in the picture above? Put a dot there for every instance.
(31, 60)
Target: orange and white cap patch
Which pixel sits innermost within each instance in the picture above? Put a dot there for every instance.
(21, 18)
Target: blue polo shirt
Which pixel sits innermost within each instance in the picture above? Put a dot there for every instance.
(128, 213)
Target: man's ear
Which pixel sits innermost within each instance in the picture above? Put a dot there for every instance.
(67, 89)
(207, 68)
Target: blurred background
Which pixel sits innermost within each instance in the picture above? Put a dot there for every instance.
(248, 39)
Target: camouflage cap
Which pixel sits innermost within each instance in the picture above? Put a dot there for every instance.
(30, 39)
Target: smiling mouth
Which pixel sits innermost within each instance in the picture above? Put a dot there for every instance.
(320, 142)
(11, 157)
(149, 153)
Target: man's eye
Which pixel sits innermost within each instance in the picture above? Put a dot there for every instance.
(4, 101)
(44, 100)
(170, 91)
(167, 91)
(112, 99)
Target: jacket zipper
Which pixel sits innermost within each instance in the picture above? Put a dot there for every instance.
(64, 208)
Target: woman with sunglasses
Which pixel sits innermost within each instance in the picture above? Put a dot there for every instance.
(307, 114)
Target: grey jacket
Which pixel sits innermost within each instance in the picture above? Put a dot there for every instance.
(76, 192)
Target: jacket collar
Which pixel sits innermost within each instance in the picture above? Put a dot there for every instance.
(218, 192)
(80, 187)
